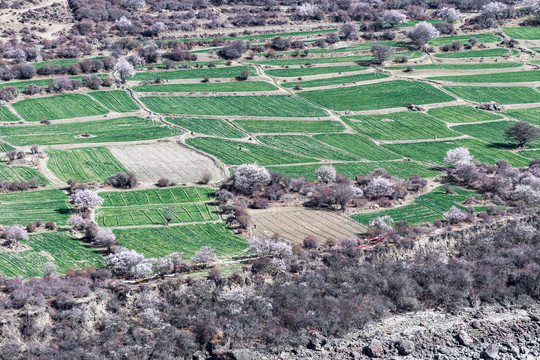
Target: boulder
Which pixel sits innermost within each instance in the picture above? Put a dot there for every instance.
(491, 353)
(405, 347)
(374, 349)
(465, 339)
(490, 106)
(317, 342)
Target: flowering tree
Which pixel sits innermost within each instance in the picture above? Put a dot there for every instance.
(249, 177)
(105, 238)
(77, 221)
(123, 260)
(267, 247)
(86, 199)
(394, 17)
(379, 187)
(326, 173)
(133, 4)
(15, 233)
(493, 9)
(157, 28)
(454, 215)
(308, 11)
(124, 68)
(458, 156)
(136, 59)
(449, 14)
(422, 33)
(142, 270)
(123, 24)
(382, 222)
(205, 254)
(16, 53)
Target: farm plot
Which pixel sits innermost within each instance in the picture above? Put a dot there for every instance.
(24, 207)
(223, 72)
(296, 224)
(471, 66)
(20, 173)
(399, 126)
(388, 94)
(464, 39)
(336, 80)
(475, 54)
(434, 152)
(166, 159)
(276, 105)
(233, 86)
(397, 168)
(82, 164)
(58, 248)
(462, 114)
(58, 107)
(530, 154)
(492, 133)
(6, 115)
(115, 100)
(162, 241)
(307, 146)
(237, 153)
(171, 195)
(313, 71)
(213, 127)
(5, 147)
(304, 61)
(290, 126)
(516, 76)
(523, 33)
(501, 94)
(357, 145)
(426, 208)
(112, 130)
(530, 115)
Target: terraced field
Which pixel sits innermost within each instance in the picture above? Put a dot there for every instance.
(319, 70)
(516, 76)
(336, 80)
(6, 115)
(24, 207)
(467, 66)
(213, 127)
(290, 126)
(462, 114)
(502, 94)
(523, 33)
(115, 100)
(531, 115)
(20, 173)
(236, 86)
(476, 54)
(58, 107)
(223, 72)
(492, 133)
(464, 39)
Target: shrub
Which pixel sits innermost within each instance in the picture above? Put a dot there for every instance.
(205, 254)
(455, 216)
(310, 242)
(250, 177)
(163, 182)
(124, 180)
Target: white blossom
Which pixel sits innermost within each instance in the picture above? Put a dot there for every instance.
(458, 156)
(454, 215)
(382, 222)
(326, 173)
(250, 177)
(86, 199)
(394, 17)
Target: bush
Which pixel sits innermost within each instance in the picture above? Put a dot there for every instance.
(163, 182)
(124, 180)
(310, 242)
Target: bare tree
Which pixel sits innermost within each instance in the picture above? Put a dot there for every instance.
(522, 132)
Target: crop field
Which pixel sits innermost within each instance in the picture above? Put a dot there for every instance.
(171, 195)
(336, 80)
(65, 252)
(464, 39)
(304, 61)
(238, 153)
(357, 145)
(290, 126)
(523, 33)
(313, 71)
(5, 147)
(435, 151)
(516, 76)
(20, 173)
(223, 72)
(530, 115)
(476, 53)
(58, 107)
(275, 105)
(166, 159)
(468, 66)
(427, 207)
(502, 94)
(6, 115)
(115, 100)
(111, 130)
(399, 126)
(82, 164)
(232, 86)
(530, 154)
(24, 207)
(213, 127)
(388, 94)
(462, 114)
(162, 241)
(492, 133)
(307, 146)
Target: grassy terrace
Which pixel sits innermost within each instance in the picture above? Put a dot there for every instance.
(523, 33)
(209, 87)
(6, 115)
(58, 107)
(213, 127)
(115, 100)
(516, 76)
(336, 80)
(290, 126)
(501, 94)
(476, 53)
(313, 71)
(531, 115)
(471, 66)
(462, 114)
(464, 39)
(20, 173)
(27, 206)
(222, 72)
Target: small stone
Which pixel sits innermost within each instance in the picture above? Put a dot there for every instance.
(534, 317)
(491, 353)
(375, 349)
(476, 324)
(405, 347)
(465, 339)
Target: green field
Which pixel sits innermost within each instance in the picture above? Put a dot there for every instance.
(471, 66)
(476, 53)
(238, 153)
(213, 127)
(276, 105)
(501, 94)
(115, 100)
(492, 133)
(290, 126)
(464, 39)
(530, 154)
(5, 147)
(336, 80)
(169, 195)
(523, 33)
(232, 86)
(357, 145)
(462, 114)
(24, 207)
(434, 152)
(20, 173)
(158, 242)
(82, 164)
(298, 72)
(426, 208)
(58, 107)
(531, 115)
(112, 130)
(516, 76)
(67, 253)
(305, 61)
(399, 126)
(222, 72)
(6, 115)
(388, 94)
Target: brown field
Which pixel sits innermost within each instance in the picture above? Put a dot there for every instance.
(294, 224)
(175, 162)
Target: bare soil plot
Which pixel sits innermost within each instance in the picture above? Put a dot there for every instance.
(173, 161)
(294, 224)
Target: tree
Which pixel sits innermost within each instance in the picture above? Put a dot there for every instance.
(522, 132)
(345, 193)
(267, 247)
(244, 75)
(86, 199)
(455, 216)
(105, 238)
(458, 156)
(422, 33)
(380, 53)
(169, 213)
(250, 177)
(123, 24)
(382, 222)
(348, 31)
(449, 14)
(205, 254)
(326, 173)
(493, 9)
(379, 187)
(15, 233)
(124, 68)
(394, 17)
(123, 260)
